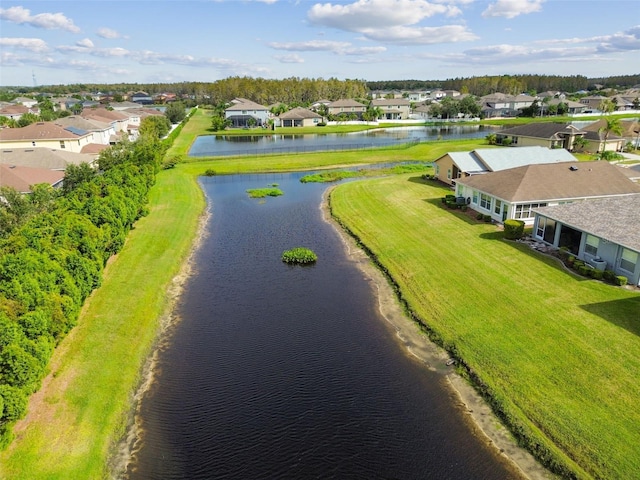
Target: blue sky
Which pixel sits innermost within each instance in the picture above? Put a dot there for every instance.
(62, 42)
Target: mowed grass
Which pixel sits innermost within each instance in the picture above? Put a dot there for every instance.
(71, 431)
(559, 354)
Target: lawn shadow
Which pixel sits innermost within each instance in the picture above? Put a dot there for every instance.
(624, 312)
(550, 260)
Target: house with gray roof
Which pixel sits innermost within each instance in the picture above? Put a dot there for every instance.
(605, 233)
(245, 113)
(347, 108)
(455, 165)
(46, 158)
(515, 193)
(393, 108)
(557, 135)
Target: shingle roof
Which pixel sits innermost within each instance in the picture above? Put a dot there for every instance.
(346, 103)
(614, 219)
(299, 113)
(244, 104)
(541, 130)
(390, 102)
(21, 178)
(38, 131)
(554, 181)
(43, 157)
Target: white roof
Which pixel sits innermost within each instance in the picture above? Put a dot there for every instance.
(496, 159)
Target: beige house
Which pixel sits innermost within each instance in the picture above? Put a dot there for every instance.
(23, 178)
(346, 108)
(453, 166)
(393, 108)
(45, 134)
(300, 117)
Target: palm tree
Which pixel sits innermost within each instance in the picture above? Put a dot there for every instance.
(612, 125)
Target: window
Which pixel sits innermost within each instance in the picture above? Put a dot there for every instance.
(629, 260)
(485, 201)
(498, 207)
(62, 145)
(524, 211)
(591, 245)
(33, 144)
(449, 174)
(475, 197)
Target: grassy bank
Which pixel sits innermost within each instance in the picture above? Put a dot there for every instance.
(82, 409)
(559, 355)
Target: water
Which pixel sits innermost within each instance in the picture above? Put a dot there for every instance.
(289, 372)
(221, 145)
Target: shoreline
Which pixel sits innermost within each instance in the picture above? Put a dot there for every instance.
(479, 415)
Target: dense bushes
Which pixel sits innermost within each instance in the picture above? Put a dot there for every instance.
(52, 257)
(299, 255)
(513, 229)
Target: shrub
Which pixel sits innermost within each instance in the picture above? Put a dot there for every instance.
(479, 216)
(209, 172)
(299, 255)
(264, 192)
(584, 270)
(463, 208)
(577, 264)
(571, 259)
(486, 218)
(597, 274)
(513, 229)
(609, 275)
(621, 280)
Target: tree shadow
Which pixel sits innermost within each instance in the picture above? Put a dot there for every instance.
(624, 312)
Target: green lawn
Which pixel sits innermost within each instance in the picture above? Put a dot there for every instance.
(559, 354)
(84, 409)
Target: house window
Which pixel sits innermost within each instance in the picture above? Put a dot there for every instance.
(33, 144)
(62, 145)
(524, 210)
(485, 201)
(449, 174)
(629, 260)
(475, 197)
(591, 245)
(498, 207)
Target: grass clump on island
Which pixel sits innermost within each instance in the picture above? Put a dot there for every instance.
(555, 355)
(299, 255)
(264, 192)
(337, 175)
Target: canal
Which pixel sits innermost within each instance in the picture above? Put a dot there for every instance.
(286, 372)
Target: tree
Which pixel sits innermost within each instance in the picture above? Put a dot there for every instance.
(155, 126)
(76, 175)
(175, 112)
(219, 123)
(612, 125)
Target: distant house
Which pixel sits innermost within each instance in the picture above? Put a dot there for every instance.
(23, 178)
(44, 158)
(515, 193)
(557, 135)
(15, 112)
(573, 108)
(27, 102)
(45, 134)
(300, 117)
(142, 98)
(393, 108)
(245, 113)
(347, 108)
(605, 233)
(101, 131)
(503, 105)
(456, 165)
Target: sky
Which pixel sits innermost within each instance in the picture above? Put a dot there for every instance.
(66, 42)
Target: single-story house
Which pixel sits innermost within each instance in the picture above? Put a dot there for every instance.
(45, 158)
(45, 134)
(392, 108)
(23, 178)
(605, 233)
(515, 193)
(245, 113)
(300, 117)
(556, 135)
(455, 165)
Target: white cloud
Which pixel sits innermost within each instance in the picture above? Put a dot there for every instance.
(339, 48)
(49, 21)
(108, 33)
(85, 43)
(512, 8)
(392, 21)
(293, 58)
(32, 44)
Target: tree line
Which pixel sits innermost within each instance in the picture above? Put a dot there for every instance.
(54, 246)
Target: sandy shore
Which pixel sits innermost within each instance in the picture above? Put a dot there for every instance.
(416, 343)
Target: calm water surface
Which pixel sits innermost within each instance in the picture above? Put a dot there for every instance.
(220, 145)
(281, 372)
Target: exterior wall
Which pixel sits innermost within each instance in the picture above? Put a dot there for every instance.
(606, 251)
(445, 169)
(518, 141)
(70, 145)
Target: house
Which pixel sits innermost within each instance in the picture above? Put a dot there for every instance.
(45, 134)
(23, 178)
(515, 193)
(630, 132)
(15, 112)
(44, 158)
(502, 105)
(392, 108)
(573, 108)
(347, 108)
(245, 113)
(300, 117)
(142, 98)
(594, 102)
(101, 131)
(557, 135)
(588, 229)
(27, 102)
(455, 165)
